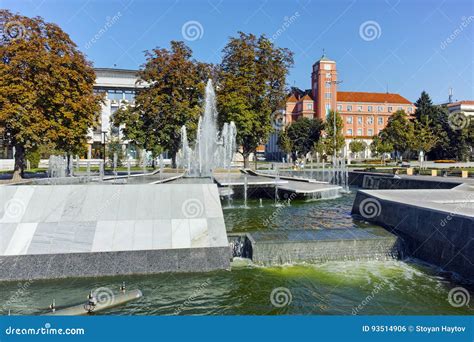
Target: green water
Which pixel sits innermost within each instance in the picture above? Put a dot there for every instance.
(370, 287)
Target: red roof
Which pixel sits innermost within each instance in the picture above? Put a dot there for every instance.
(292, 98)
(466, 102)
(307, 97)
(351, 96)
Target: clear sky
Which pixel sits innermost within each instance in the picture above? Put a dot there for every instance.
(405, 45)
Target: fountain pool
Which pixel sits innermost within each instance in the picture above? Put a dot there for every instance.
(328, 288)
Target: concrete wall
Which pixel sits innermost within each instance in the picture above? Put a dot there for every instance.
(57, 231)
(441, 238)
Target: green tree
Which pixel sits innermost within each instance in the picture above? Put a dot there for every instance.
(356, 146)
(437, 119)
(171, 99)
(381, 147)
(251, 86)
(398, 132)
(334, 137)
(424, 140)
(284, 141)
(115, 147)
(303, 134)
(46, 88)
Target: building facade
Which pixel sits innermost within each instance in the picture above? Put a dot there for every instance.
(364, 114)
(119, 87)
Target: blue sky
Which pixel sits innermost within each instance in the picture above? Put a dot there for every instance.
(406, 45)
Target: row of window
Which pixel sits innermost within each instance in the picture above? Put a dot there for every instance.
(370, 120)
(370, 108)
(370, 132)
(359, 108)
(117, 94)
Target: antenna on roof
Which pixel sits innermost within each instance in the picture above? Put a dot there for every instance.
(450, 97)
(386, 88)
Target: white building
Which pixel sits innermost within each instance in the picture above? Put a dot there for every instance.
(119, 87)
(466, 106)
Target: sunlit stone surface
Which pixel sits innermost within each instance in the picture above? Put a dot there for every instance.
(59, 231)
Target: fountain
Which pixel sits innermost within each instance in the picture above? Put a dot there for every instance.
(211, 149)
(115, 163)
(57, 167)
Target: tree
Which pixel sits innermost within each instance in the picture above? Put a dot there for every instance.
(398, 132)
(424, 140)
(172, 98)
(46, 88)
(437, 117)
(251, 86)
(303, 134)
(381, 147)
(334, 138)
(284, 141)
(356, 146)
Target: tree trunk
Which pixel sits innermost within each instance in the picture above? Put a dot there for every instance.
(246, 160)
(19, 163)
(173, 160)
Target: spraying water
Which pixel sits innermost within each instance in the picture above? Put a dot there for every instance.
(211, 149)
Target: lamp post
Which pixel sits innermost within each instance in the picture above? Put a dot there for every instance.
(103, 136)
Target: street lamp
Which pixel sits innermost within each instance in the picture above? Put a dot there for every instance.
(103, 137)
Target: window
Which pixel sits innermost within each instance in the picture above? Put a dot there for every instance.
(349, 132)
(328, 84)
(349, 108)
(359, 120)
(380, 120)
(129, 95)
(409, 109)
(359, 108)
(309, 106)
(328, 75)
(370, 120)
(359, 132)
(369, 108)
(389, 109)
(339, 108)
(114, 94)
(380, 108)
(349, 120)
(328, 95)
(400, 108)
(370, 132)
(328, 108)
